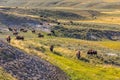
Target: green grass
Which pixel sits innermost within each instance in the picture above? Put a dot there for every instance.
(65, 57)
(111, 44)
(65, 49)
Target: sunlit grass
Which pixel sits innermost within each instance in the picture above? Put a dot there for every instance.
(111, 44)
(75, 69)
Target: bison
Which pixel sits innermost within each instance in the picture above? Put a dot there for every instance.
(25, 30)
(8, 39)
(49, 34)
(40, 35)
(51, 48)
(15, 33)
(33, 31)
(92, 52)
(78, 54)
(21, 29)
(19, 37)
(10, 29)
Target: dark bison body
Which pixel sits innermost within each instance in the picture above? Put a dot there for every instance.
(53, 32)
(25, 30)
(33, 31)
(8, 39)
(92, 52)
(40, 35)
(78, 54)
(10, 29)
(21, 29)
(51, 48)
(49, 34)
(15, 33)
(19, 37)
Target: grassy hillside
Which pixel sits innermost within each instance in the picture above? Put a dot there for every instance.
(80, 24)
(68, 23)
(63, 3)
(87, 68)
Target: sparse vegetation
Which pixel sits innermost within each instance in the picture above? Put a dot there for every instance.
(65, 58)
(68, 29)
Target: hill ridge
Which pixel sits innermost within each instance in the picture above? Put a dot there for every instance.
(63, 3)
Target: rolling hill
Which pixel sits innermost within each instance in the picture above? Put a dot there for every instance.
(69, 25)
(103, 4)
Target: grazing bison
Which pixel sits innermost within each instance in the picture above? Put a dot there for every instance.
(25, 30)
(58, 23)
(15, 33)
(78, 54)
(41, 23)
(49, 34)
(40, 35)
(33, 31)
(92, 52)
(21, 29)
(51, 48)
(19, 37)
(8, 39)
(53, 32)
(10, 29)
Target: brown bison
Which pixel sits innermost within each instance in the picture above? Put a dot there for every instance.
(33, 31)
(40, 35)
(49, 34)
(51, 48)
(25, 30)
(92, 52)
(10, 29)
(21, 29)
(78, 54)
(15, 33)
(19, 37)
(8, 39)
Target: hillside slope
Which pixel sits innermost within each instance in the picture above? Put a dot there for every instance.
(25, 67)
(113, 4)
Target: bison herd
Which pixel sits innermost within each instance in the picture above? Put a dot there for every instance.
(18, 37)
(89, 52)
(16, 32)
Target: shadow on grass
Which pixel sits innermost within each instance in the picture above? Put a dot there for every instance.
(84, 59)
(57, 53)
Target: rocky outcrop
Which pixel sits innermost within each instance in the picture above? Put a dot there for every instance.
(27, 67)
